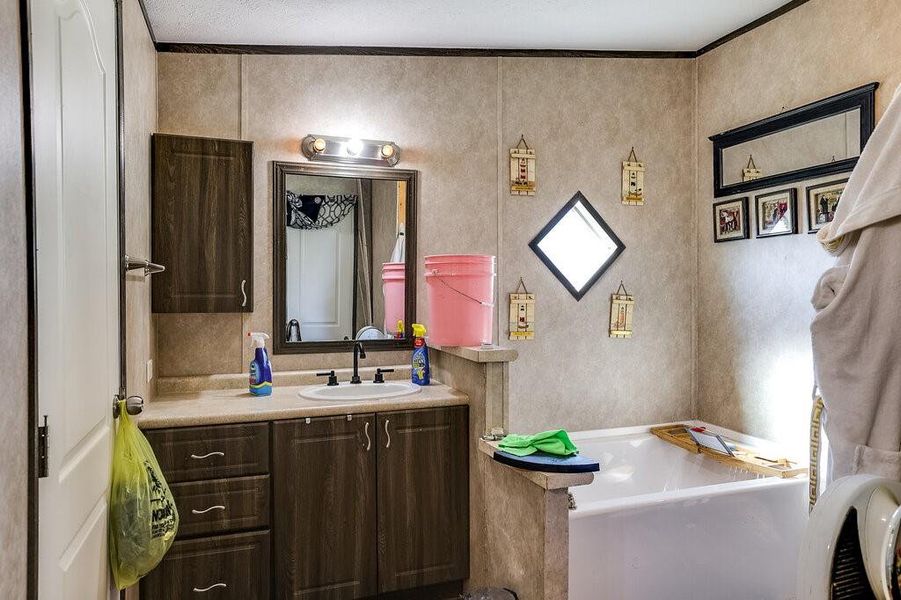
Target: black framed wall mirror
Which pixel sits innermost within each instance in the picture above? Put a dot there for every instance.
(344, 257)
(821, 138)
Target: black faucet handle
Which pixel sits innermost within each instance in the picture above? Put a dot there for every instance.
(379, 375)
(332, 378)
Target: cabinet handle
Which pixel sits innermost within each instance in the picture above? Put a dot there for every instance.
(388, 444)
(210, 587)
(368, 439)
(206, 510)
(243, 293)
(207, 455)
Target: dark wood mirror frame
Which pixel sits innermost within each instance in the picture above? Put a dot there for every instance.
(280, 170)
(863, 97)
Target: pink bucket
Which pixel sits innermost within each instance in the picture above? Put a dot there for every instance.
(393, 283)
(461, 299)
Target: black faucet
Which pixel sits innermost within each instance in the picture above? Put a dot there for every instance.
(358, 354)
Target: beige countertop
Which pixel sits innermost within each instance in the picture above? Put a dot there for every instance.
(217, 407)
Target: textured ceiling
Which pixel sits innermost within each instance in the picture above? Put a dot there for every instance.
(667, 25)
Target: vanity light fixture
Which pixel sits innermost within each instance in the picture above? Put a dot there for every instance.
(350, 150)
(353, 147)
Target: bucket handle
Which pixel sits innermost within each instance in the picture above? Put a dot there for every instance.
(436, 275)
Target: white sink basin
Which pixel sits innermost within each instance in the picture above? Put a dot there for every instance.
(360, 391)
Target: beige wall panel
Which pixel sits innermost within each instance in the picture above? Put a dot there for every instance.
(754, 359)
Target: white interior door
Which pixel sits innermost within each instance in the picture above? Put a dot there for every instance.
(320, 281)
(74, 95)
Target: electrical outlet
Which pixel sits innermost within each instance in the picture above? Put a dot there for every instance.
(149, 370)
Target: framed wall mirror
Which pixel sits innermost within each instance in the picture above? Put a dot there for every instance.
(821, 138)
(344, 257)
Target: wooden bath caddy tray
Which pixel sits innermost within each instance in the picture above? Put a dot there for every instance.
(745, 457)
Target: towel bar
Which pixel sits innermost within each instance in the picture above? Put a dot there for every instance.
(129, 264)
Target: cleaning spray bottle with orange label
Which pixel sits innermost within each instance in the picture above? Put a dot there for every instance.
(421, 370)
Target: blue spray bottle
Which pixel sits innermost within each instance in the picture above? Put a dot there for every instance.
(422, 373)
(260, 367)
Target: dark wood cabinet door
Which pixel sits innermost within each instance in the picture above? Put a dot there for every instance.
(325, 508)
(211, 452)
(221, 505)
(423, 497)
(225, 567)
(202, 224)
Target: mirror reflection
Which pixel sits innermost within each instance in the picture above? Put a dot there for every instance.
(344, 258)
(810, 144)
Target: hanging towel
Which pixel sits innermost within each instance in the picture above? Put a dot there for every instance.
(856, 333)
(552, 442)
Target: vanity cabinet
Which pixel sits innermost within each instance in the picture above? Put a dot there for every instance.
(362, 506)
(423, 497)
(325, 491)
(219, 477)
(202, 215)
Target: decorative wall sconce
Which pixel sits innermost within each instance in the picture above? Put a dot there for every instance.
(522, 169)
(633, 180)
(350, 150)
(622, 304)
(751, 172)
(522, 313)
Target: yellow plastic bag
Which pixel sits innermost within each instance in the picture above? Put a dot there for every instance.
(143, 518)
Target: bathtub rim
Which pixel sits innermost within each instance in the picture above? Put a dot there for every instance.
(642, 501)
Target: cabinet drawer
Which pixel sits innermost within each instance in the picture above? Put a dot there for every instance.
(222, 505)
(194, 453)
(225, 567)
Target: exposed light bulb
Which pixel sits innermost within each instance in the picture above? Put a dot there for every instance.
(387, 151)
(354, 146)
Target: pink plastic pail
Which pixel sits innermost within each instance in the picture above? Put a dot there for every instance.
(461, 299)
(393, 283)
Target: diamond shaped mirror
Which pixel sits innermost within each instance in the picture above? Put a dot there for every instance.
(577, 246)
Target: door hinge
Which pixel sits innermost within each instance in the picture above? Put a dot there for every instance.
(43, 446)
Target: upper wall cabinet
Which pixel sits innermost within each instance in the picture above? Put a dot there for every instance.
(821, 138)
(202, 224)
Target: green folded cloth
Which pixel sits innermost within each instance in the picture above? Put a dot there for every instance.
(553, 442)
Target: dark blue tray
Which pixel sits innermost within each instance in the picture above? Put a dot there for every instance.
(550, 463)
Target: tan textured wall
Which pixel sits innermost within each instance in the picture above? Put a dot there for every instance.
(582, 116)
(140, 105)
(13, 286)
(754, 361)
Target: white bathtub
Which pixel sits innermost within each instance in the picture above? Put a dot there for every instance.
(663, 523)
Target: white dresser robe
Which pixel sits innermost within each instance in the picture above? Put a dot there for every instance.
(856, 332)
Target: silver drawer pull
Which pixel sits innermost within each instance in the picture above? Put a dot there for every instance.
(243, 293)
(368, 439)
(388, 433)
(207, 455)
(206, 510)
(210, 587)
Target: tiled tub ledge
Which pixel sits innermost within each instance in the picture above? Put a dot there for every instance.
(543, 479)
(481, 354)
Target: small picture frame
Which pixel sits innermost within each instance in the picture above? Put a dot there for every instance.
(822, 200)
(730, 220)
(777, 213)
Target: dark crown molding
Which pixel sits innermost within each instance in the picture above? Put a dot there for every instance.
(190, 48)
